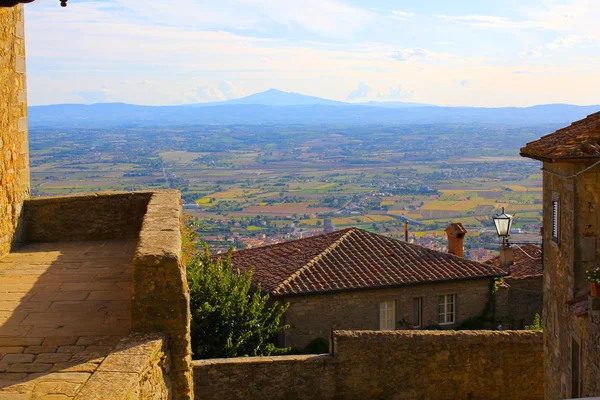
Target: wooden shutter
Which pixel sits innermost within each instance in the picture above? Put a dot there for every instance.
(555, 220)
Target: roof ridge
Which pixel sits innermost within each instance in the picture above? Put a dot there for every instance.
(294, 240)
(315, 259)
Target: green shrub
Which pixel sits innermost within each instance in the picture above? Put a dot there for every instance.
(537, 324)
(229, 319)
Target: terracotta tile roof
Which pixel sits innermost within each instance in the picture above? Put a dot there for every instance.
(351, 259)
(527, 262)
(579, 140)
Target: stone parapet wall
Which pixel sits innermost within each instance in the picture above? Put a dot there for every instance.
(95, 216)
(14, 150)
(137, 369)
(385, 365)
(160, 295)
(160, 291)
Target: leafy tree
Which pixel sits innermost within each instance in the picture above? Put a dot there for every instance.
(229, 317)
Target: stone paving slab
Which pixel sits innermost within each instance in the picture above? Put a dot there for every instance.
(63, 307)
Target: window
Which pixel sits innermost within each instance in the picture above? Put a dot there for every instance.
(446, 309)
(555, 215)
(387, 315)
(417, 312)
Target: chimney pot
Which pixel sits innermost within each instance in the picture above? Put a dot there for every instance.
(456, 234)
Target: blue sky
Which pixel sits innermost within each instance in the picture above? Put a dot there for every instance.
(459, 53)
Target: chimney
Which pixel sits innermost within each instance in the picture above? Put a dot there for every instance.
(507, 257)
(456, 234)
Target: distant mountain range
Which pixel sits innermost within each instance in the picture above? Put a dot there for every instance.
(274, 97)
(277, 107)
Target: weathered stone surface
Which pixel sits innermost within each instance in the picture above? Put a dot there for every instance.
(388, 365)
(566, 259)
(138, 369)
(314, 316)
(98, 216)
(517, 301)
(160, 292)
(14, 162)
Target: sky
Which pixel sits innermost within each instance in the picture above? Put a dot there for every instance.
(488, 53)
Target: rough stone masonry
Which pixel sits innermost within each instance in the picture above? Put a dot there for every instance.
(14, 151)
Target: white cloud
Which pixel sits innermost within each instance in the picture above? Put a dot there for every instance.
(570, 41)
(418, 54)
(229, 91)
(323, 17)
(395, 93)
(531, 53)
(101, 95)
(492, 22)
(224, 90)
(360, 92)
(401, 15)
(463, 82)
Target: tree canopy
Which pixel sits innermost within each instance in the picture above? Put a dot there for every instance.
(230, 318)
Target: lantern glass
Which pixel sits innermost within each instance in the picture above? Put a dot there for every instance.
(503, 223)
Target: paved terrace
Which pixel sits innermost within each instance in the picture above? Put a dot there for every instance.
(63, 307)
(94, 302)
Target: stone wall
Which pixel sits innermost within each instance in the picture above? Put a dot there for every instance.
(160, 291)
(160, 295)
(14, 151)
(565, 261)
(388, 365)
(315, 316)
(137, 369)
(517, 301)
(526, 298)
(95, 216)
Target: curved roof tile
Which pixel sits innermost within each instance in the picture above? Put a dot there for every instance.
(351, 259)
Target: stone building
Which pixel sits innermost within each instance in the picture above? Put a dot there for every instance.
(519, 297)
(571, 205)
(356, 279)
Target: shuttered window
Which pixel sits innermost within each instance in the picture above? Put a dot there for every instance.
(387, 315)
(555, 215)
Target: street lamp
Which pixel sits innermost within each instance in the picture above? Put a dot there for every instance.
(503, 224)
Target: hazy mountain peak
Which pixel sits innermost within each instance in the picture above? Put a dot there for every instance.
(276, 97)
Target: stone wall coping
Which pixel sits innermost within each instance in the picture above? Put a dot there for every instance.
(160, 235)
(46, 200)
(316, 358)
(399, 336)
(121, 372)
(160, 300)
(423, 335)
(83, 217)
